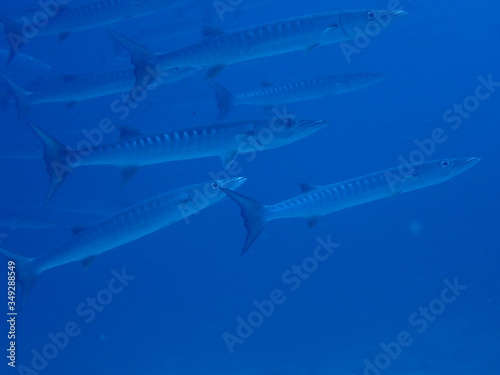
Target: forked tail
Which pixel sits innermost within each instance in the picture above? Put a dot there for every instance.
(255, 216)
(24, 271)
(14, 34)
(54, 155)
(22, 98)
(143, 59)
(225, 99)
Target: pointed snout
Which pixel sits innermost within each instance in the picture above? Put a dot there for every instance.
(314, 124)
(389, 15)
(467, 163)
(233, 183)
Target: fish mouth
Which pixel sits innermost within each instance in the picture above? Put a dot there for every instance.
(389, 15)
(233, 183)
(467, 163)
(315, 124)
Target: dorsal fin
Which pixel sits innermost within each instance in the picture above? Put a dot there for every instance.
(210, 32)
(307, 187)
(69, 77)
(313, 46)
(77, 230)
(71, 104)
(126, 131)
(64, 36)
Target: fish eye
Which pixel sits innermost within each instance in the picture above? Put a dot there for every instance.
(215, 185)
(371, 15)
(445, 164)
(287, 123)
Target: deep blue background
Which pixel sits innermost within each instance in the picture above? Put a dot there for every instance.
(191, 282)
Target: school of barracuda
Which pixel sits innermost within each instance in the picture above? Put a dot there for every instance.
(133, 149)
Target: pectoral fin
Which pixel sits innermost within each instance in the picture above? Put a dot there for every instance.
(313, 220)
(331, 28)
(87, 262)
(128, 173)
(214, 71)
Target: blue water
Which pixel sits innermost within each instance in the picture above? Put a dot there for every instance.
(191, 286)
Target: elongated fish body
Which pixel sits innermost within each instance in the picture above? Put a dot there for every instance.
(223, 48)
(64, 20)
(103, 13)
(123, 227)
(294, 91)
(316, 201)
(136, 149)
(23, 62)
(16, 221)
(265, 40)
(74, 88)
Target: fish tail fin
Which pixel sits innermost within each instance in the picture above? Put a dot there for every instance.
(225, 99)
(143, 59)
(14, 34)
(22, 98)
(24, 270)
(54, 154)
(255, 216)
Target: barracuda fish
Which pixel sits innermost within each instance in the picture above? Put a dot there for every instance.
(136, 149)
(126, 226)
(24, 61)
(221, 48)
(294, 91)
(71, 89)
(16, 221)
(316, 201)
(63, 20)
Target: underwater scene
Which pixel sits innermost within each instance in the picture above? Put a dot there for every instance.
(238, 187)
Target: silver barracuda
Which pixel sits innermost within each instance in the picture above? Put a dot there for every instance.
(135, 149)
(294, 91)
(71, 89)
(316, 201)
(123, 227)
(25, 62)
(63, 20)
(220, 48)
(14, 221)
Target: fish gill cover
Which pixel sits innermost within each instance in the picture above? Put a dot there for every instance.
(149, 142)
